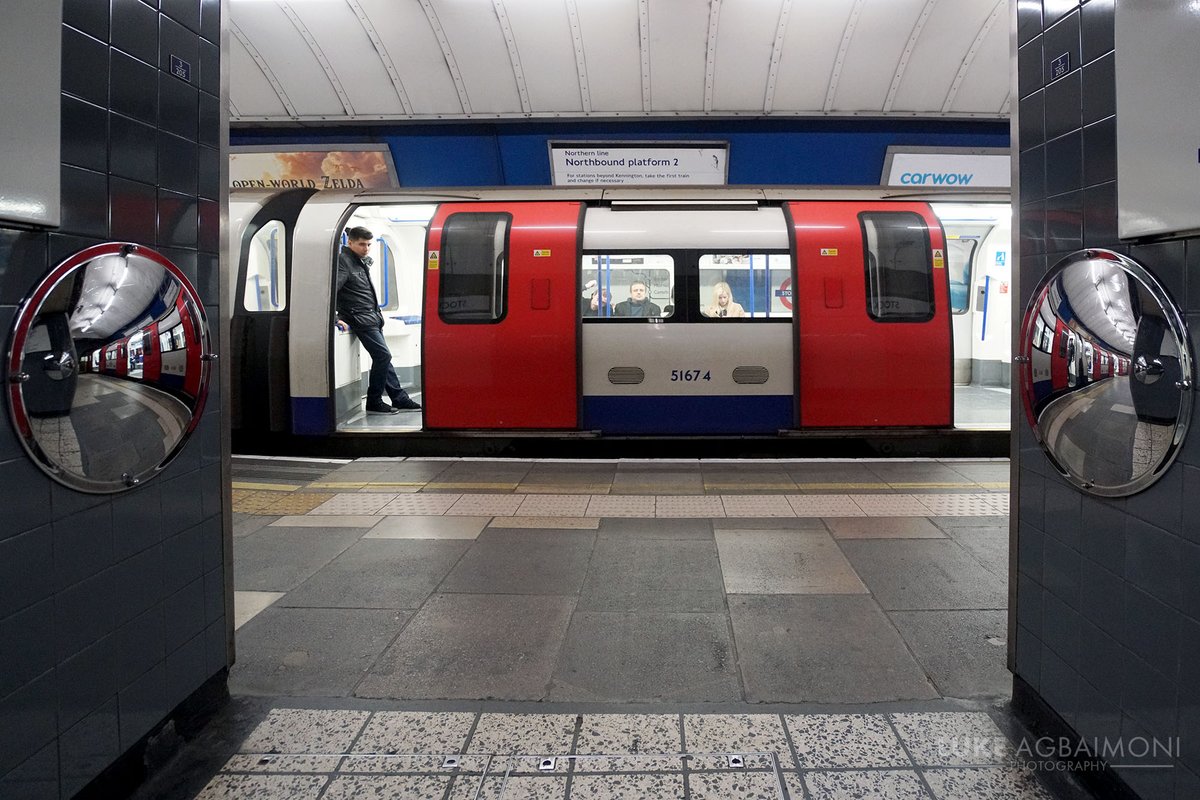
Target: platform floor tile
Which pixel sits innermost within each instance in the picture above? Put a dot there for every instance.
(554, 505)
(845, 741)
(354, 503)
(705, 507)
(420, 504)
(814, 505)
(427, 527)
(874, 784)
(891, 505)
(620, 506)
(490, 505)
(769, 505)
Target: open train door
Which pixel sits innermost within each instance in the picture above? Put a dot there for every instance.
(873, 316)
(500, 322)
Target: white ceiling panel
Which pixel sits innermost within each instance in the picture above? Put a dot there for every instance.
(412, 60)
(612, 50)
(939, 53)
(412, 46)
(678, 50)
(542, 32)
(477, 42)
(874, 53)
(291, 60)
(745, 44)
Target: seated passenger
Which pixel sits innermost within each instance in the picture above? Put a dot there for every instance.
(597, 304)
(637, 305)
(722, 304)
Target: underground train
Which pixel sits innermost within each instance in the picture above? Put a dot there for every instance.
(503, 309)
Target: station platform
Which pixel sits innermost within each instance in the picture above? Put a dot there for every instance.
(469, 628)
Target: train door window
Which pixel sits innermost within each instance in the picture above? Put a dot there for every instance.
(744, 285)
(136, 355)
(266, 276)
(384, 269)
(960, 255)
(627, 285)
(899, 266)
(473, 276)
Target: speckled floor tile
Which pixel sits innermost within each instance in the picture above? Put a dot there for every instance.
(523, 734)
(267, 764)
(466, 787)
(326, 521)
(953, 738)
(727, 785)
(486, 505)
(890, 505)
(845, 740)
(824, 505)
(763, 505)
(303, 730)
(554, 505)
(734, 733)
(644, 736)
(627, 787)
(862, 785)
(418, 526)
(368, 764)
(563, 523)
(628, 505)
(267, 787)
(420, 504)
(415, 732)
(989, 783)
(688, 506)
(386, 787)
(248, 605)
(351, 503)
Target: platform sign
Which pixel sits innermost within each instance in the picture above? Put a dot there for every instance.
(639, 163)
(954, 168)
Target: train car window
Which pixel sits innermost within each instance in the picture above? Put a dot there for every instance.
(744, 285)
(384, 267)
(960, 255)
(899, 266)
(266, 273)
(473, 279)
(627, 285)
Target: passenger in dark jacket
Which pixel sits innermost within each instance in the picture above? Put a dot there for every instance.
(358, 311)
(638, 305)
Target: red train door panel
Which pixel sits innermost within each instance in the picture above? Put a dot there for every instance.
(500, 327)
(873, 314)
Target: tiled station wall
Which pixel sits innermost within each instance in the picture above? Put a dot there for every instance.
(112, 608)
(1108, 594)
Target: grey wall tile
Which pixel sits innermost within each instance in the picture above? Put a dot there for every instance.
(84, 202)
(1029, 67)
(84, 134)
(27, 721)
(25, 561)
(175, 40)
(1096, 28)
(128, 155)
(1064, 165)
(1100, 152)
(1064, 111)
(1060, 41)
(137, 520)
(1060, 627)
(1154, 634)
(86, 681)
(1031, 544)
(135, 29)
(1063, 513)
(85, 613)
(1152, 558)
(1054, 10)
(1098, 715)
(210, 68)
(1189, 568)
(1099, 89)
(1029, 657)
(83, 545)
(179, 107)
(24, 258)
(26, 645)
(87, 16)
(187, 669)
(141, 643)
(214, 595)
(26, 497)
(1149, 698)
(85, 67)
(130, 79)
(139, 584)
(1103, 538)
(1029, 605)
(1032, 498)
(1102, 597)
(1167, 261)
(36, 778)
(88, 748)
(1029, 21)
(1101, 661)
(1060, 685)
(183, 614)
(1146, 783)
(131, 210)
(183, 559)
(210, 20)
(1060, 571)
(185, 12)
(142, 705)
(216, 647)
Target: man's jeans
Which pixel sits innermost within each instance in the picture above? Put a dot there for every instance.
(383, 376)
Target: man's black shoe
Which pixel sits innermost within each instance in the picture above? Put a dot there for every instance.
(381, 408)
(407, 404)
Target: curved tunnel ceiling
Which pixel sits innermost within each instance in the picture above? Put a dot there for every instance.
(338, 61)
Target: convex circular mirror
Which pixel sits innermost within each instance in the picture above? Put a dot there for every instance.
(1106, 372)
(108, 367)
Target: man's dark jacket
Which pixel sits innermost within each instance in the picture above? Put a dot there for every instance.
(356, 303)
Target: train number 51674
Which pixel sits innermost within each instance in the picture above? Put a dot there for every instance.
(690, 375)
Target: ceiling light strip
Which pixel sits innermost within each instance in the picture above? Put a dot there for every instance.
(969, 58)
(241, 36)
(776, 55)
(384, 56)
(841, 56)
(319, 54)
(440, 33)
(902, 64)
(585, 92)
(710, 60)
(513, 56)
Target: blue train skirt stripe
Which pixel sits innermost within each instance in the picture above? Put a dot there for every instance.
(673, 414)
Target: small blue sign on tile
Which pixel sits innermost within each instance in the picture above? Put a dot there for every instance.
(181, 69)
(1060, 66)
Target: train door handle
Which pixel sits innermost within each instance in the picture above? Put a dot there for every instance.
(1148, 371)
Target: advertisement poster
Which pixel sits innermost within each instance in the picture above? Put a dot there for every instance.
(346, 167)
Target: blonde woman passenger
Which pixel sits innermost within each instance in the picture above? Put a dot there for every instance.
(722, 303)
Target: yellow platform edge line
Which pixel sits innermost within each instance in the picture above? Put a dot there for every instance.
(266, 487)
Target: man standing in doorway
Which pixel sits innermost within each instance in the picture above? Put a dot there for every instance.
(358, 311)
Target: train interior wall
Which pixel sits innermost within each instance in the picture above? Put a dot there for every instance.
(1108, 616)
(112, 607)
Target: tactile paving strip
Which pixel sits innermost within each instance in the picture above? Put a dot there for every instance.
(965, 505)
(890, 505)
(354, 503)
(676, 506)
(277, 503)
(554, 505)
(621, 505)
(486, 505)
(760, 505)
(420, 505)
(824, 505)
